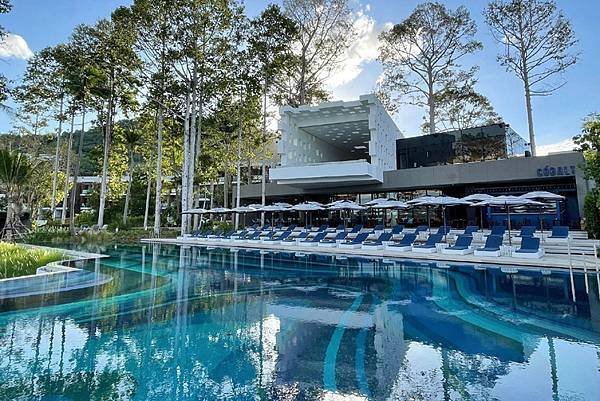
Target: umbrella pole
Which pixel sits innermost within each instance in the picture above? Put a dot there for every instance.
(481, 216)
(541, 222)
(444, 215)
(508, 217)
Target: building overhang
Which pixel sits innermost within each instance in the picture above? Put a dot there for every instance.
(341, 173)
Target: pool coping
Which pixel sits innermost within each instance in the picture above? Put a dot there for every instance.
(552, 261)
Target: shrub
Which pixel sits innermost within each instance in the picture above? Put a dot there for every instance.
(87, 218)
(592, 213)
(17, 260)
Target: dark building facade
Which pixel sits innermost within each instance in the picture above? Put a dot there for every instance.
(490, 142)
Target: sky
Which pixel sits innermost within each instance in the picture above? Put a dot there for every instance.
(35, 24)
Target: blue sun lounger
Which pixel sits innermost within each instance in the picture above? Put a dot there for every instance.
(397, 230)
(530, 249)
(462, 246)
(469, 230)
(405, 244)
(333, 242)
(378, 243)
(430, 245)
(314, 241)
(498, 230)
(276, 239)
(292, 240)
(421, 229)
(256, 240)
(559, 233)
(526, 231)
(491, 247)
(356, 242)
(444, 230)
(250, 236)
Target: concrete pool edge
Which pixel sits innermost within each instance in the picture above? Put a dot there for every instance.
(577, 262)
(57, 269)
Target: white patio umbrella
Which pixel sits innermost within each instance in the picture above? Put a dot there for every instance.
(307, 207)
(219, 210)
(375, 201)
(243, 210)
(345, 205)
(273, 209)
(507, 201)
(444, 201)
(478, 198)
(539, 196)
(417, 201)
(386, 204)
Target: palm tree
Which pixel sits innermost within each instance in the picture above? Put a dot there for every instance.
(132, 137)
(15, 173)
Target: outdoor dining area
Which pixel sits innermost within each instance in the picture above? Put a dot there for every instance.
(341, 230)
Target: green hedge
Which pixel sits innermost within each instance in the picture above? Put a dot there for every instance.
(591, 212)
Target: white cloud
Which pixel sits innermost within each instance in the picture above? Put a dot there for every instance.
(363, 50)
(562, 146)
(14, 46)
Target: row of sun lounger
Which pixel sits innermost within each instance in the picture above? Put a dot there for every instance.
(395, 240)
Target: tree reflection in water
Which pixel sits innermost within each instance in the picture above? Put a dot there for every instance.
(187, 323)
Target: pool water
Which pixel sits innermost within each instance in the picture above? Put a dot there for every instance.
(181, 323)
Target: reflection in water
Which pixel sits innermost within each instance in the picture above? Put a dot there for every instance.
(188, 323)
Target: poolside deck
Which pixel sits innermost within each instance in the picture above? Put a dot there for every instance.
(557, 261)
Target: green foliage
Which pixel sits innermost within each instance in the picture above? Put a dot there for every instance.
(589, 142)
(591, 211)
(17, 260)
(86, 218)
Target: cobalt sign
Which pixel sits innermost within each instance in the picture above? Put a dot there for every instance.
(552, 171)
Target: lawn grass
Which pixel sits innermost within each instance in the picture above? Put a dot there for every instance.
(17, 260)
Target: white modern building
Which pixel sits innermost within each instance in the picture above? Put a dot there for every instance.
(336, 144)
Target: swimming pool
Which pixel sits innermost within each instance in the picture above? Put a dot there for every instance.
(197, 324)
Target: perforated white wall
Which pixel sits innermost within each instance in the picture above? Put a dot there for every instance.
(297, 147)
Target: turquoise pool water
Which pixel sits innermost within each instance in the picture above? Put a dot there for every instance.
(196, 324)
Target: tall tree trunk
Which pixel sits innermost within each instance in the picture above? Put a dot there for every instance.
(107, 140)
(193, 136)
(63, 217)
(264, 155)
(431, 102)
(76, 175)
(186, 160)
(226, 188)
(147, 208)
(157, 204)
(249, 177)
(532, 144)
(56, 159)
(129, 181)
(239, 163)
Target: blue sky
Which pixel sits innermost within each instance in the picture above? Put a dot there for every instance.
(557, 118)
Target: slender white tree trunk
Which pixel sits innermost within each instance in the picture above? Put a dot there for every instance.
(239, 166)
(147, 208)
(129, 181)
(157, 204)
(76, 175)
(532, 144)
(63, 217)
(56, 159)
(431, 102)
(107, 141)
(185, 168)
(263, 183)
